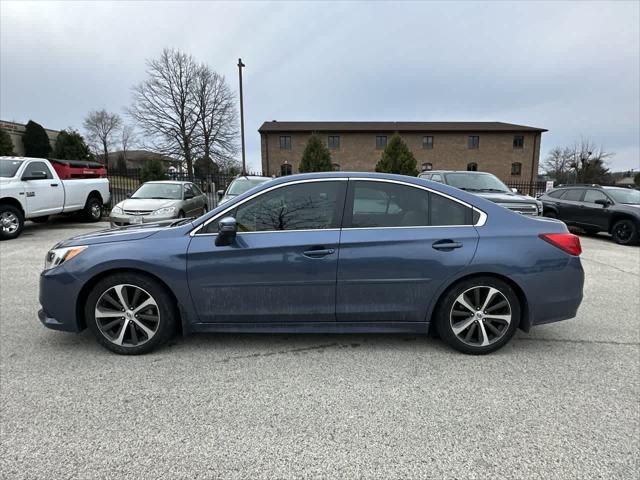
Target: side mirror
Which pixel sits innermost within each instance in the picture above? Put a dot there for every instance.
(38, 175)
(220, 194)
(227, 229)
(129, 194)
(604, 203)
(514, 190)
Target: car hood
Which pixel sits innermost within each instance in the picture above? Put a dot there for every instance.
(505, 197)
(119, 234)
(147, 203)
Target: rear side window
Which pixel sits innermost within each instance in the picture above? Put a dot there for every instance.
(573, 195)
(381, 204)
(304, 206)
(37, 167)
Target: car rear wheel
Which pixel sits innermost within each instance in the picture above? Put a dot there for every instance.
(93, 209)
(130, 314)
(479, 315)
(11, 222)
(625, 232)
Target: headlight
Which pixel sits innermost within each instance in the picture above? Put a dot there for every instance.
(116, 210)
(59, 255)
(164, 211)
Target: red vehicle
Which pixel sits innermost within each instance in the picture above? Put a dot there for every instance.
(68, 169)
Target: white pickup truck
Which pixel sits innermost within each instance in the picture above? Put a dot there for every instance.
(31, 189)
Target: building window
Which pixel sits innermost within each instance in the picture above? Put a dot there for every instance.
(472, 167)
(427, 142)
(335, 167)
(381, 142)
(427, 166)
(285, 169)
(285, 143)
(474, 141)
(518, 142)
(334, 142)
(516, 168)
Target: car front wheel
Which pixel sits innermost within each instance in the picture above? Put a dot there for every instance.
(130, 313)
(479, 315)
(625, 232)
(11, 222)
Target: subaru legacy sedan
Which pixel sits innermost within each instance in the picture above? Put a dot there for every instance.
(323, 252)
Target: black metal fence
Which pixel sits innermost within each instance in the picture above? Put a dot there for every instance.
(528, 188)
(124, 182)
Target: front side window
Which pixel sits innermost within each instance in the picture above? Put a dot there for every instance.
(285, 143)
(37, 167)
(516, 168)
(555, 193)
(590, 196)
(437, 177)
(381, 142)
(381, 204)
(474, 142)
(303, 206)
(333, 141)
(572, 195)
(427, 142)
(188, 191)
(518, 142)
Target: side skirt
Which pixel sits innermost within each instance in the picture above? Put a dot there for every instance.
(314, 327)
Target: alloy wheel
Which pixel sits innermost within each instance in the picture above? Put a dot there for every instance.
(9, 222)
(623, 231)
(96, 210)
(480, 316)
(127, 315)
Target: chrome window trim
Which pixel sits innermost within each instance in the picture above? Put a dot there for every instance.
(481, 221)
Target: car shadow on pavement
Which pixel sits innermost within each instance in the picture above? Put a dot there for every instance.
(60, 222)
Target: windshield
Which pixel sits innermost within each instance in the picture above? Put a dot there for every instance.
(625, 196)
(474, 182)
(241, 185)
(8, 168)
(168, 191)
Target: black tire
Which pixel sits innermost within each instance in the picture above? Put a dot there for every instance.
(445, 313)
(625, 232)
(550, 214)
(11, 222)
(93, 209)
(40, 219)
(166, 313)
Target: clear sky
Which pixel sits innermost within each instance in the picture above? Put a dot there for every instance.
(573, 68)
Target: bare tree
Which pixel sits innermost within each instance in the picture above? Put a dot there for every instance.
(127, 138)
(165, 105)
(101, 127)
(217, 131)
(583, 162)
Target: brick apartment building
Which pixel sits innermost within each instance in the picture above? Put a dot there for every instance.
(512, 152)
(16, 132)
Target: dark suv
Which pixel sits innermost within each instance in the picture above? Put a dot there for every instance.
(597, 209)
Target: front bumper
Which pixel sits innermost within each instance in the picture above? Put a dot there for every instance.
(124, 220)
(58, 297)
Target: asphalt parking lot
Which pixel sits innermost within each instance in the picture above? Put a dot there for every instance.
(559, 402)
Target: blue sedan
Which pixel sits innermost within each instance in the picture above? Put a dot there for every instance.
(324, 252)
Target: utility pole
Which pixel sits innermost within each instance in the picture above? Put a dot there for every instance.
(244, 164)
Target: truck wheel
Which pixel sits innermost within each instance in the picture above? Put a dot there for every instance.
(40, 219)
(11, 222)
(93, 209)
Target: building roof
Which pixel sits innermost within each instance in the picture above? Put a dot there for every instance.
(276, 126)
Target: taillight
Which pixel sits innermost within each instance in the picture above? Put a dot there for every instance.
(567, 242)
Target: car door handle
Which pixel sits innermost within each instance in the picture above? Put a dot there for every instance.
(54, 184)
(319, 253)
(446, 245)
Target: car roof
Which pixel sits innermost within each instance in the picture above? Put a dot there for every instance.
(177, 182)
(428, 172)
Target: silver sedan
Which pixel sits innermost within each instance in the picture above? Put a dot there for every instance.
(161, 200)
